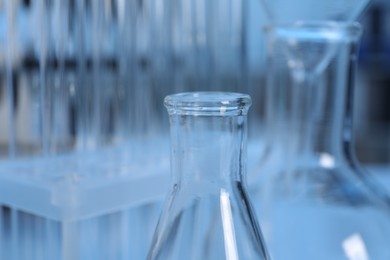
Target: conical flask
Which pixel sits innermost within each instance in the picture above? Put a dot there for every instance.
(311, 200)
(207, 214)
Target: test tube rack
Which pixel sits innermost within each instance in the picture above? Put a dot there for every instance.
(64, 208)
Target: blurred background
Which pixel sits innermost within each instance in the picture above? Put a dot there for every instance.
(83, 131)
(54, 56)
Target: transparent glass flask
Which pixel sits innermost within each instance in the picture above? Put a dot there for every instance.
(208, 214)
(311, 198)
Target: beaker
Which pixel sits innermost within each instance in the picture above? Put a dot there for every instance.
(208, 214)
(311, 199)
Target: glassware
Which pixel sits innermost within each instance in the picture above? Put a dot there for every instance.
(207, 214)
(311, 199)
(282, 11)
(209, 44)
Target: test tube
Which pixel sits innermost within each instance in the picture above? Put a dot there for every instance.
(2, 239)
(60, 132)
(97, 29)
(11, 8)
(80, 88)
(14, 249)
(43, 90)
(125, 55)
(209, 37)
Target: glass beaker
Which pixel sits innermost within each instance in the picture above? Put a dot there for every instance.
(207, 214)
(311, 199)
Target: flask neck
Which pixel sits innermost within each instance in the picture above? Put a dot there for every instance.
(207, 149)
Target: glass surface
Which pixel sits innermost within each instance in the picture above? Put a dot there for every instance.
(207, 214)
(312, 199)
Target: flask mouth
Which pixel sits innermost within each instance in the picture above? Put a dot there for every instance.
(208, 103)
(312, 30)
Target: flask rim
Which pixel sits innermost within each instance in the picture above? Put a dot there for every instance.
(320, 30)
(208, 103)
